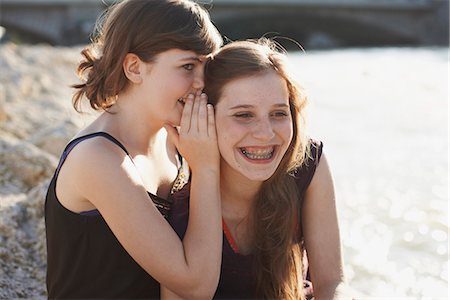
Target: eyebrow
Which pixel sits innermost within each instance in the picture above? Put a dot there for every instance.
(283, 105)
(192, 58)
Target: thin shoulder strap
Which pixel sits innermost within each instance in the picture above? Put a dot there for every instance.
(76, 141)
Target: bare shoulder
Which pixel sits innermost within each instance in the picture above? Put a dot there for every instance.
(321, 233)
(322, 178)
(96, 151)
(94, 166)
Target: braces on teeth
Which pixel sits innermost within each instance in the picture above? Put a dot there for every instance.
(257, 156)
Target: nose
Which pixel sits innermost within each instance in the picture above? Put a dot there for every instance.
(198, 84)
(264, 130)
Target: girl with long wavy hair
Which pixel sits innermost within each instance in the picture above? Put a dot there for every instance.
(277, 192)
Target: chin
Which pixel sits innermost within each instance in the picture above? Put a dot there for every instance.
(174, 122)
(258, 177)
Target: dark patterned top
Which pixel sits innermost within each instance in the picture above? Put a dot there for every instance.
(238, 274)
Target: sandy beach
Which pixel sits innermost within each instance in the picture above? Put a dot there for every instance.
(36, 121)
(381, 113)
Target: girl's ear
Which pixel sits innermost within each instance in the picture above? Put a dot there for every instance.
(132, 67)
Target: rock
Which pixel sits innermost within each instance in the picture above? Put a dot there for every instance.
(27, 163)
(53, 139)
(3, 115)
(22, 259)
(36, 122)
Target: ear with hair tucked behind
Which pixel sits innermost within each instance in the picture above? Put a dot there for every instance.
(133, 67)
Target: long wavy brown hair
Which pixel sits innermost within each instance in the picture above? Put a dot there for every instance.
(275, 216)
(145, 28)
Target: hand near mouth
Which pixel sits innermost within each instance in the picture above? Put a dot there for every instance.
(196, 139)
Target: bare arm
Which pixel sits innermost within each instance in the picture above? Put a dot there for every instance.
(106, 177)
(168, 294)
(321, 233)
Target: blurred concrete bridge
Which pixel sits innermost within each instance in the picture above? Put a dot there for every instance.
(314, 23)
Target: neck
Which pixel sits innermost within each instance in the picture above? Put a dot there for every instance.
(139, 135)
(238, 194)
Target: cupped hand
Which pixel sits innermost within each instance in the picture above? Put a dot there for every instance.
(196, 139)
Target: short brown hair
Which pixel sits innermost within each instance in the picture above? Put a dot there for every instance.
(145, 28)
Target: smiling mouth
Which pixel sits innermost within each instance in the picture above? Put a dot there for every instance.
(258, 153)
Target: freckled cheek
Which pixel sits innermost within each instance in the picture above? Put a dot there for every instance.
(291, 132)
(222, 136)
(229, 136)
(223, 145)
(182, 81)
(286, 131)
(188, 82)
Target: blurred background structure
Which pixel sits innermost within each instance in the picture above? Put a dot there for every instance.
(314, 23)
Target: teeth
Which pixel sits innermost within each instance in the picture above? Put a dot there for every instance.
(257, 153)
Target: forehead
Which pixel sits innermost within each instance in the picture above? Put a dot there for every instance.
(259, 90)
(179, 54)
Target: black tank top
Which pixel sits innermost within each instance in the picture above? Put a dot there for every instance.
(238, 272)
(84, 258)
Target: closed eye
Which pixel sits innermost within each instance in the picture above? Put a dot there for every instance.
(280, 114)
(243, 115)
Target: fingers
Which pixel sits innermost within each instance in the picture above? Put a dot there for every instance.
(185, 123)
(195, 110)
(198, 143)
(211, 121)
(195, 115)
(203, 115)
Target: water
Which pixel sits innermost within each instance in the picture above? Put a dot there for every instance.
(383, 116)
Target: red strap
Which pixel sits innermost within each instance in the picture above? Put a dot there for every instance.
(229, 237)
